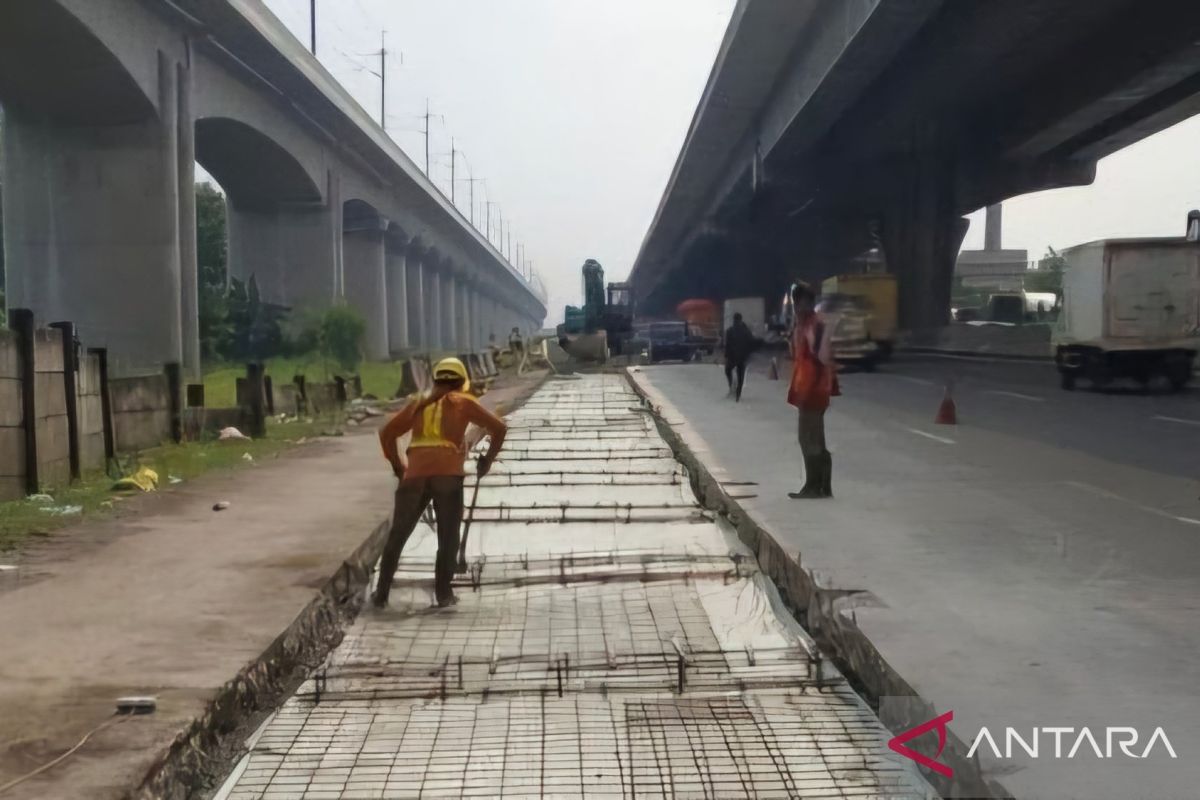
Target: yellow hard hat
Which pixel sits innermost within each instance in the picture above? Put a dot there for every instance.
(450, 368)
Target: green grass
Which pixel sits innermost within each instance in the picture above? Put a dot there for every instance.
(380, 379)
(21, 519)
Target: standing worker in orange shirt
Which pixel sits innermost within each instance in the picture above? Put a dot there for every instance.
(438, 420)
(813, 382)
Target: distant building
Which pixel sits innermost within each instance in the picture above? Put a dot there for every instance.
(993, 267)
(1001, 269)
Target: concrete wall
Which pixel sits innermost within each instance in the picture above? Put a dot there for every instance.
(90, 411)
(141, 409)
(12, 434)
(54, 448)
(51, 426)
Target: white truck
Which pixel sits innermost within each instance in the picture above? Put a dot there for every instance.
(753, 311)
(1131, 309)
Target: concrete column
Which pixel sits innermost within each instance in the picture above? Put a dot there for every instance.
(189, 270)
(476, 339)
(993, 225)
(397, 296)
(287, 251)
(364, 260)
(464, 315)
(416, 300)
(450, 320)
(921, 237)
(92, 229)
(433, 306)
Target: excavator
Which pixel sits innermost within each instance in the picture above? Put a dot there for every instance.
(605, 322)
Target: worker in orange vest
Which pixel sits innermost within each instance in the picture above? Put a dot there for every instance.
(438, 420)
(814, 381)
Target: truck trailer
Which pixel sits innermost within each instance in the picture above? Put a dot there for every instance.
(1131, 309)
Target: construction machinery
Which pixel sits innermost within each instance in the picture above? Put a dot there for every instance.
(604, 324)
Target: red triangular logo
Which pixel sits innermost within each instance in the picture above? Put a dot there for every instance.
(897, 743)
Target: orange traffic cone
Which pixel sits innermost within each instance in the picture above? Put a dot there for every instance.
(947, 413)
(773, 372)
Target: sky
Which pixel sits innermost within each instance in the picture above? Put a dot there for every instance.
(572, 113)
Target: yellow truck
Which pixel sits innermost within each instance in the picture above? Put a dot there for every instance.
(874, 293)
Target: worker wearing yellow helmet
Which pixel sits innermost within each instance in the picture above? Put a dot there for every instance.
(438, 420)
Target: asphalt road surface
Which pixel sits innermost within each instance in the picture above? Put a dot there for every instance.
(1036, 565)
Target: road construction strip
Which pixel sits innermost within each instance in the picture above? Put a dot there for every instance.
(612, 639)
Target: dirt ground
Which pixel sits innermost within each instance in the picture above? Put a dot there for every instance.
(171, 599)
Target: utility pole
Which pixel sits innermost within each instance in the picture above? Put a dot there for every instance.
(383, 80)
(426, 137)
(312, 26)
(452, 181)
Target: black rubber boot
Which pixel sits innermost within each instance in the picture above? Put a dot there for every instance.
(826, 474)
(812, 479)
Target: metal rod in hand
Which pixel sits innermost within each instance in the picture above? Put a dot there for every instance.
(462, 545)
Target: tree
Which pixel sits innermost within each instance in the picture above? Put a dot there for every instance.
(342, 330)
(216, 332)
(1048, 275)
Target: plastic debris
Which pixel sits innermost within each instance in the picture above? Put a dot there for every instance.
(174, 479)
(221, 505)
(40, 498)
(145, 479)
(231, 433)
(247, 457)
(62, 511)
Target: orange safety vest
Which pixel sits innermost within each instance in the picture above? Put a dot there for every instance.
(813, 382)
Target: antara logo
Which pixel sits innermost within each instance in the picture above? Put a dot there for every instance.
(1124, 738)
(897, 743)
(1079, 739)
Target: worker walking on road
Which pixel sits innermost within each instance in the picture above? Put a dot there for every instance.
(813, 380)
(739, 343)
(438, 420)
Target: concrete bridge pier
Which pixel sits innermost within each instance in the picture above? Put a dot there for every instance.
(475, 310)
(433, 302)
(396, 255)
(921, 236)
(94, 230)
(289, 250)
(464, 312)
(417, 309)
(449, 309)
(364, 260)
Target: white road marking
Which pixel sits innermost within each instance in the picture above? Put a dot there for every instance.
(941, 439)
(1031, 397)
(1096, 490)
(1169, 515)
(911, 379)
(1179, 420)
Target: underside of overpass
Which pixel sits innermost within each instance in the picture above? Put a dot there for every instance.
(880, 123)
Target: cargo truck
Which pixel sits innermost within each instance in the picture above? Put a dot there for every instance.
(753, 311)
(1131, 309)
(877, 297)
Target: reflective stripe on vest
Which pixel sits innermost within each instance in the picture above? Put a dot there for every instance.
(431, 429)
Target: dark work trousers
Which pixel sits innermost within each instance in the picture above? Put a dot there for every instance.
(740, 366)
(412, 496)
(812, 433)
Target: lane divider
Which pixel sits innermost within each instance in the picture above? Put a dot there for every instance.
(935, 437)
(1004, 393)
(1177, 420)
